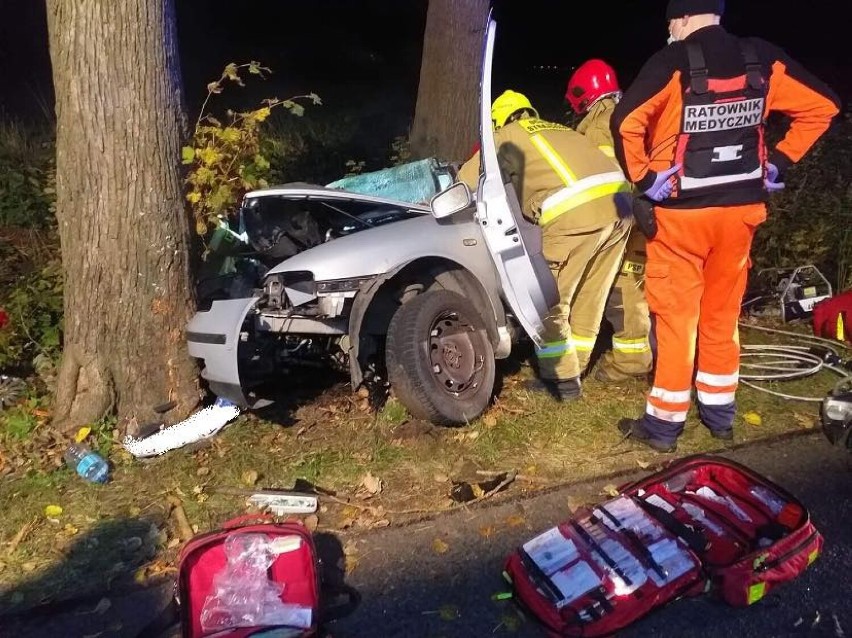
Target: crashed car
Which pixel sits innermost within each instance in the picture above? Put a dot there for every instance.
(424, 296)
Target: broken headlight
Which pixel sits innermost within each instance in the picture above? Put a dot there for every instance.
(341, 285)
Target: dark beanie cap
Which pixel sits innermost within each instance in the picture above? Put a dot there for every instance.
(681, 8)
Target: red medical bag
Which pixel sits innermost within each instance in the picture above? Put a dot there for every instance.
(832, 317)
(204, 558)
(703, 524)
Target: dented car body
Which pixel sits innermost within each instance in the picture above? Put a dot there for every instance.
(426, 297)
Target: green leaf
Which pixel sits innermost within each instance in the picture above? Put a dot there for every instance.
(187, 154)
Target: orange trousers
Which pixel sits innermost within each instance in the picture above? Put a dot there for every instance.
(695, 279)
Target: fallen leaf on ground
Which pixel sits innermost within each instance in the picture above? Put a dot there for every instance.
(250, 477)
(510, 622)
(311, 522)
(486, 532)
(29, 567)
(440, 477)
(439, 546)
(807, 422)
(52, 511)
(449, 613)
(22, 534)
(489, 421)
(202, 471)
(515, 520)
(643, 464)
(382, 522)
(350, 553)
(82, 433)
(70, 530)
(610, 490)
(753, 418)
(372, 484)
(473, 435)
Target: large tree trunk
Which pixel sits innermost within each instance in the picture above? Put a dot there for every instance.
(446, 116)
(122, 222)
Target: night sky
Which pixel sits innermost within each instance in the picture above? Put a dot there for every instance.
(366, 53)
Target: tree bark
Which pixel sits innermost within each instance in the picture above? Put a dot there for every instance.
(123, 226)
(446, 116)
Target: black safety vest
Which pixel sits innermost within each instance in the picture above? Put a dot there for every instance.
(721, 140)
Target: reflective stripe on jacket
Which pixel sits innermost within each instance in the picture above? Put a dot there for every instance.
(555, 170)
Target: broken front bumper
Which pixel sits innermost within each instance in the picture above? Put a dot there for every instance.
(214, 336)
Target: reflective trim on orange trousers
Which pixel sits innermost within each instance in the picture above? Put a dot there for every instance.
(695, 279)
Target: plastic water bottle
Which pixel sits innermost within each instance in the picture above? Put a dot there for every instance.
(88, 464)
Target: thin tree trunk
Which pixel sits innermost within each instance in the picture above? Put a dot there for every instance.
(122, 222)
(446, 115)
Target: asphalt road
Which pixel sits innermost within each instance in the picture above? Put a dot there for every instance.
(410, 588)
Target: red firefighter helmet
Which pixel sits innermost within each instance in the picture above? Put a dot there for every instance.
(591, 81)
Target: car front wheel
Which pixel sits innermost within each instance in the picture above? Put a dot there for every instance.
(440, 361)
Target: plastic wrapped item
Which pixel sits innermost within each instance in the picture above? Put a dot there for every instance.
(698, 514)
(768, 498)
(674, 560)
(243, 593)
(551, 551)
(678, 482)
(727, 501)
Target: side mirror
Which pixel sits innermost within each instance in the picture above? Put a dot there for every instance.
(451, 201)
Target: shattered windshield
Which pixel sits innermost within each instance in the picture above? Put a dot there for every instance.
(280, 227)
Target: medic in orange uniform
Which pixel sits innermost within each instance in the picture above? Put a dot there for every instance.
(689, 133)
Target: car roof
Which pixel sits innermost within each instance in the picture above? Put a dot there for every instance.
(314, 191)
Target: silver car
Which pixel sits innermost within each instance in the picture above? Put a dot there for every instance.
(426, 297)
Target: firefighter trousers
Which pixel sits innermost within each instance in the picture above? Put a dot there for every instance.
(695, 279)
(627, 311)
(584, 263)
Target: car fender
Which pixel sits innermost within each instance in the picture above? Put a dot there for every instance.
(451, 275)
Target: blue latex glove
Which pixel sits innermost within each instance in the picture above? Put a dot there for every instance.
(662, 186)
(770, 181)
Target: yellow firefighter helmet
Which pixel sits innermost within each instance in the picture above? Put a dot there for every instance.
(507, 104)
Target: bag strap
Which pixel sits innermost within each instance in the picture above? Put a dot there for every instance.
(697, 68)
(695, 539)
(754, 71)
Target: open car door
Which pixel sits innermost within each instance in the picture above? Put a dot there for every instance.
(515, 244)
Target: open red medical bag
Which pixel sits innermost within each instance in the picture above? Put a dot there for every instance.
(702, 524)
(247, 579)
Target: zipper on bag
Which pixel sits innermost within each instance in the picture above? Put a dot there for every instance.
(775, 562)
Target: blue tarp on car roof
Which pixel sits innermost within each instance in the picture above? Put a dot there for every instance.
(414, 182)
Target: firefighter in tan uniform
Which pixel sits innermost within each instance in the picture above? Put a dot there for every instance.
(582, 203)
(593, 90)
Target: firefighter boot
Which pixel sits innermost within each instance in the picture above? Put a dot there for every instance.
(562, 390)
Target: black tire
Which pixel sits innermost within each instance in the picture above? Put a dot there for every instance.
(440, 361)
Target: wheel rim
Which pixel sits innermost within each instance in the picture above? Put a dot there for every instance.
(456, 363)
